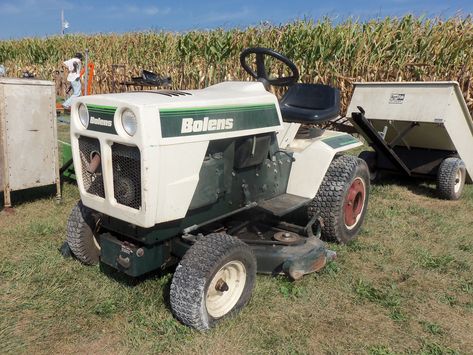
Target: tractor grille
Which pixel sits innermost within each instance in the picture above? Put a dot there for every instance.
(93, 182)
(126, 175)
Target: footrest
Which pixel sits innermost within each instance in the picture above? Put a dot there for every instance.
(283, 204)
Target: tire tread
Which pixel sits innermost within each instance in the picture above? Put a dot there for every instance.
(187, 288)
(446, 178)
(80, 226)
(330, 196)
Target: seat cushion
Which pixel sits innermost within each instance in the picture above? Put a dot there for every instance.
(310, 103)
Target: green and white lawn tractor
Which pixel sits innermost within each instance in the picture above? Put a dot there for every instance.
(221, 181)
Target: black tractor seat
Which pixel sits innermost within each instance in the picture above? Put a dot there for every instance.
(310, 103)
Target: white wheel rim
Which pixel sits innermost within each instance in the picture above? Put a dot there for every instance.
(219, 301)
(458, 181)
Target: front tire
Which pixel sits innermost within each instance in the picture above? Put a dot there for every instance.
(81, 234)
(214, 279)
(342, 198)
(451, 178)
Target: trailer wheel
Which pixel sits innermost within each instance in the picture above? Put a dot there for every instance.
(214, 279)
(451, 178)
(370, 159)
(81, 234)
(342, 199)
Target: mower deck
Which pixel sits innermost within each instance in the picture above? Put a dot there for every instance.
(279, 246)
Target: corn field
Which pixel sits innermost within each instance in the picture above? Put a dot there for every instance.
(400, 49)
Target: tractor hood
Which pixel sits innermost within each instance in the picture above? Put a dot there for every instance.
(150, 176)
(229, 90)
(219, 111)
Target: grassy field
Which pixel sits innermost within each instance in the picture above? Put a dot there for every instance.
(405, 286)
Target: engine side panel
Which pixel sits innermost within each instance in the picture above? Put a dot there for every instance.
(178, 176)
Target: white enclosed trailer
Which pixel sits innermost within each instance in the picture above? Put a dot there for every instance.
(28, 143)
(418, 129)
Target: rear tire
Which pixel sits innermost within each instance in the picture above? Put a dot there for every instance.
(214, 279)
(81, 238)
(451, 178)
(342, 198)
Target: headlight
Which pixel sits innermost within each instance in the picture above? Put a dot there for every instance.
(84, 115)
(129, 122)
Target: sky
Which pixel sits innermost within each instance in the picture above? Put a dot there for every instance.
(40, 18)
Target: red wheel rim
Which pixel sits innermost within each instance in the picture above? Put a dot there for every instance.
(354, 203)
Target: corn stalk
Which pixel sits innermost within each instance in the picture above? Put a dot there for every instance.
(407, 48)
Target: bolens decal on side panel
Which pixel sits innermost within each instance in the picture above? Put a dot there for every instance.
(205, 120)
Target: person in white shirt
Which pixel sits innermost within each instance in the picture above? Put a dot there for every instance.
(73, 65)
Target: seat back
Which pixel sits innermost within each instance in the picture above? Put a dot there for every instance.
(310, 103)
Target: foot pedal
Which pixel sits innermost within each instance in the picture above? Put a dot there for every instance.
(283, 204)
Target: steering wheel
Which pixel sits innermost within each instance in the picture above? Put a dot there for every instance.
(261, 74)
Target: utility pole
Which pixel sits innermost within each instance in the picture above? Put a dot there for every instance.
(64, 23)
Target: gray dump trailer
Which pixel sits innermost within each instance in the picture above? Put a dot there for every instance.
(419, 129)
